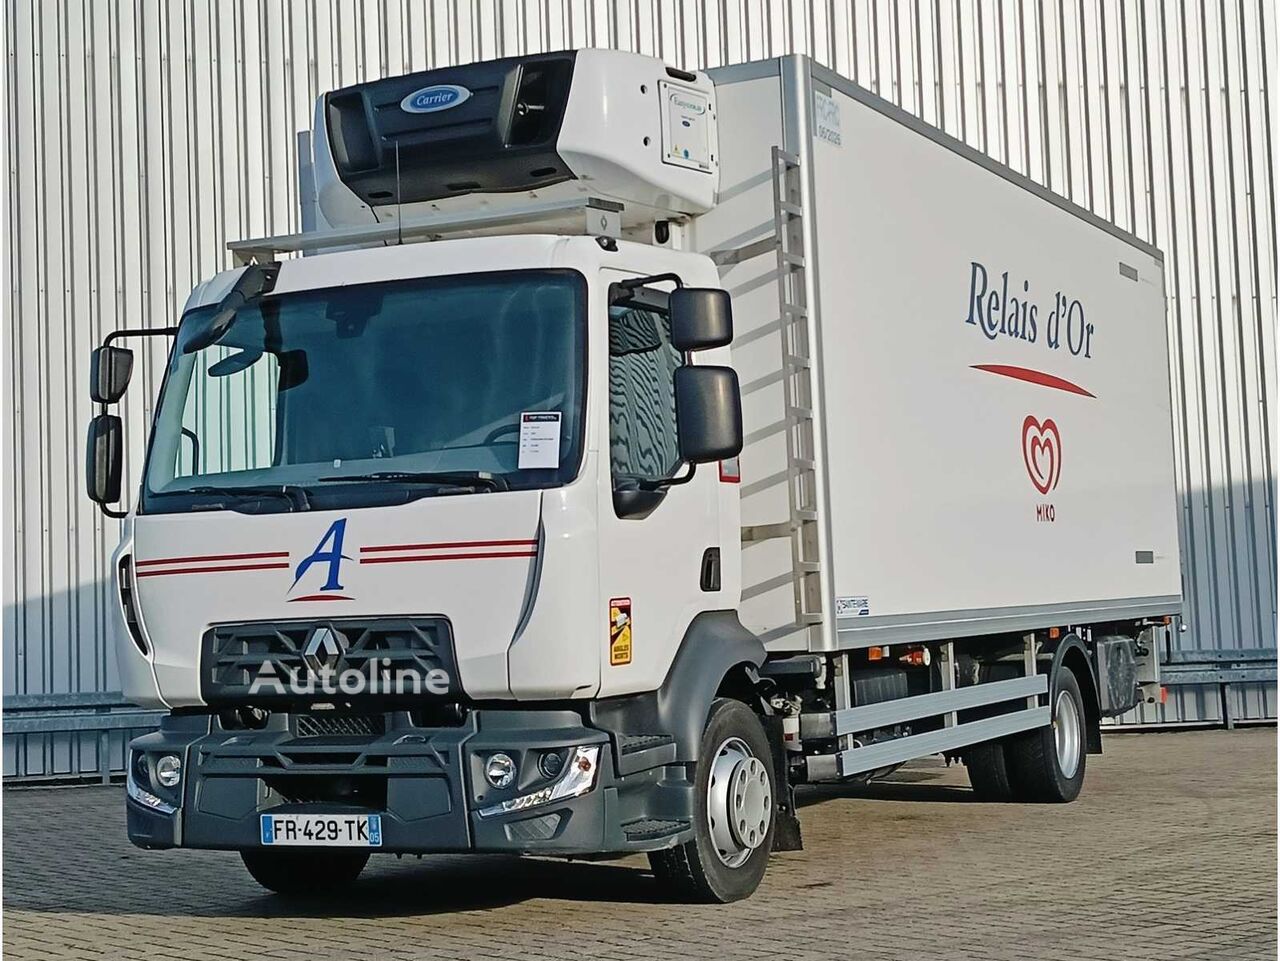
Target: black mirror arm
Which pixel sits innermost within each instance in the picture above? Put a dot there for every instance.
(665, 482)
(138, 332)
(135, 332)
(624, 287)
(106, 509)
(195, 447)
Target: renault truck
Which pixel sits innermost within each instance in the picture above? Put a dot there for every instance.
(617, 449)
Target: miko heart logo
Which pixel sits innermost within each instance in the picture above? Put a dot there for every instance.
(1042, 453)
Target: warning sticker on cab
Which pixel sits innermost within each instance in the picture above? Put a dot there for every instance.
(619, 631)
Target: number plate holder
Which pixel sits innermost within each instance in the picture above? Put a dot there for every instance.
(321, 830)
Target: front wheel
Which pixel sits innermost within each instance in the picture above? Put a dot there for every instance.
(733, 820)
(1048, 764)
(314, 873)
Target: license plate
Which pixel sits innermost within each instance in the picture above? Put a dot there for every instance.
(322, 830)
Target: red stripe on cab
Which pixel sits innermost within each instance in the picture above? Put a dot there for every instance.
(212, 570)
(449, 544)
(211, 557)
(447, 557)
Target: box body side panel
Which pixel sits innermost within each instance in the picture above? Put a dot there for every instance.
(996, 381)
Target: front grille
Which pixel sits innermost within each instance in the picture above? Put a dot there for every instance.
(292, 661)
(328, 724)
(366, 792)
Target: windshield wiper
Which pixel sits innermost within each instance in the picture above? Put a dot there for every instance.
(297, 496)
(477, 479)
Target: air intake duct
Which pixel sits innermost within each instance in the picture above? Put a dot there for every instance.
(128, 605)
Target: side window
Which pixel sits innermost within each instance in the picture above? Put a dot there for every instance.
(229, 421)
(642, 405)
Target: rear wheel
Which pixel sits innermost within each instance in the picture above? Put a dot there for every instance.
(304, 872)
(733, 822)
(1048, 764)
(988, 772)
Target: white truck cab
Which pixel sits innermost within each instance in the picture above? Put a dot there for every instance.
(527, 573)
(521, 512)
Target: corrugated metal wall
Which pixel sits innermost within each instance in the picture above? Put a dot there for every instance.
(141, 136)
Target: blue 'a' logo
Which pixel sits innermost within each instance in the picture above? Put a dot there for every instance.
(328, 552)
(441, 96)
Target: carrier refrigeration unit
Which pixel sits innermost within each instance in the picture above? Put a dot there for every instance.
(619, 448)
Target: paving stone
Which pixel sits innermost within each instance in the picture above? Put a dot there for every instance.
(1170, 853)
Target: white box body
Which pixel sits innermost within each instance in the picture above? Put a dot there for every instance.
(976, 481)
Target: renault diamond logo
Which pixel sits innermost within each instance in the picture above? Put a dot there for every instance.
(324, 649)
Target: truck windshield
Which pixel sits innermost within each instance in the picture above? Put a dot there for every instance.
(374, 393)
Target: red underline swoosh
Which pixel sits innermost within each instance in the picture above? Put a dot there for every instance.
(1034, 377)
(446, 557)
(211, 557)
(321, 597)
(448, 544)
(213, 570)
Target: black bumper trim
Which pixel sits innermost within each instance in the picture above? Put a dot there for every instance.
(426, 783)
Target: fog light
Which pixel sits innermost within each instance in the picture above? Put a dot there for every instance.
(169, 770)
(500, 770)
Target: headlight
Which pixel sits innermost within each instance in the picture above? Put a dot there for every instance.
(169, 770)
(141, 769)
(551, 764)
(578, 778)
(500, 770)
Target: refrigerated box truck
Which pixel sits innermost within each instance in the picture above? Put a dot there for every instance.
(627, 447)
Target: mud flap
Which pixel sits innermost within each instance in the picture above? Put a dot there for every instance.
(786, 829)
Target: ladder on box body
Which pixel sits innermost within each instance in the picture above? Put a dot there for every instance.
(799, 390)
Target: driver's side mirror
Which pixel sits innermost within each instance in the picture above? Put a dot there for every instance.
(104, 459)
(708, 414)
(701, 318)
(109, 371)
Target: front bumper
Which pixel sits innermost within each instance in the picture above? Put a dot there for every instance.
(426, 783)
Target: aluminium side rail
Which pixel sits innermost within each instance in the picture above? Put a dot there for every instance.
(599, 218)
(852, 757)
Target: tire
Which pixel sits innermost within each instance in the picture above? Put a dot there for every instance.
(725, 862)
(1047, 765)
(988, 771)
(304, 872)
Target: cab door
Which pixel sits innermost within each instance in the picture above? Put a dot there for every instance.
(659, 533)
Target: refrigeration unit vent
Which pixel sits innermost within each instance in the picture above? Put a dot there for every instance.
(483, 127)
(602, 124)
